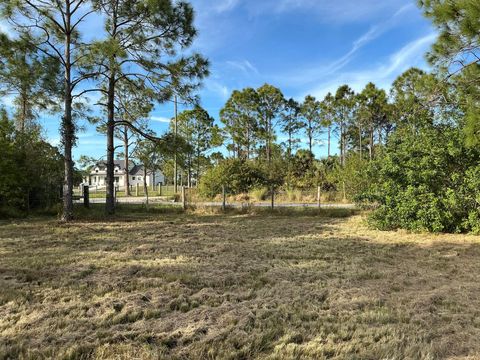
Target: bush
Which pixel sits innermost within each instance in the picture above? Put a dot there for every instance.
(426, 182)
(31, 171)
(238, 176)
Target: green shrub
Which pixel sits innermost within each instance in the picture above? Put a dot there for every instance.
(427, 181)
(238, 176)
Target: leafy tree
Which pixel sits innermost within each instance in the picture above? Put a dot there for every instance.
(53, 28)
(142, 46)
(426, 182)
(270, 105)
(328, 116)
(291, 125)
(311, 114)
(239, 116)
(372, 113)
(30, 77)
(131, 107)
(198, 128)
(237, 175)
(411, 100)
(31, 170)
(458, 45)
(456, 55)
(344, 106)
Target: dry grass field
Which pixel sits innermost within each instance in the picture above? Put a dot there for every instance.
(289, 285)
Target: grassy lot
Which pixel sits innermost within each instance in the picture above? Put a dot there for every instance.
(289, 285)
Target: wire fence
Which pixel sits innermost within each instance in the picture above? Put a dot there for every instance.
(192, 197)
(135, 191)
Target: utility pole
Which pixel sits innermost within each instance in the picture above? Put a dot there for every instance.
(175, 154)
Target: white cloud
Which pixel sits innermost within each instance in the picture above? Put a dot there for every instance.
(161, 119)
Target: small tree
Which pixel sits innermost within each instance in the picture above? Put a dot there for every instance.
(311, 114)
(198, 128)
(30, 76)
(239, 115)
(270, 105)
(54, 29)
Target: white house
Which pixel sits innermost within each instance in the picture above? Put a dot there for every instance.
(98, 174)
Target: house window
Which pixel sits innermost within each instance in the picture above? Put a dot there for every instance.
(96, 170)
(139, 178)
(133, 177)
(116, 179)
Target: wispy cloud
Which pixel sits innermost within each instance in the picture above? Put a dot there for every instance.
(338, 11)
(218, 88)
(319, 72)
(382, 74)
(372, 34)
(225, 5)
(243, 65)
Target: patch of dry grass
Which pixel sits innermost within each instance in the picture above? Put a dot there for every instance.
(236, 287)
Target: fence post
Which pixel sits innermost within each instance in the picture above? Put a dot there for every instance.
(86, 196)
(184, 198)
(273, 197)
(136, 189)
(224, 198)
(318, 196)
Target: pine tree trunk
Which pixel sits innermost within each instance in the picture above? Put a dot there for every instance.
(67, 126)
(127, 160)
(267, 142)
(310, 138)
(248, 142)
(342, 160)
(175, 165)
(198, 169)
(189, 172)
(360, 139)
(110, 200)
(145, 187)
(329, 138)
(371, 144)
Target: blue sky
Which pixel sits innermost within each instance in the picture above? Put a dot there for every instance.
(301, 46)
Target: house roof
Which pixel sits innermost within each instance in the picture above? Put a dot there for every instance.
(103, 164)
(138, 170)
(134, 169)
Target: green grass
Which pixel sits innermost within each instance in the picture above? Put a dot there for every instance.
(288, 284)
